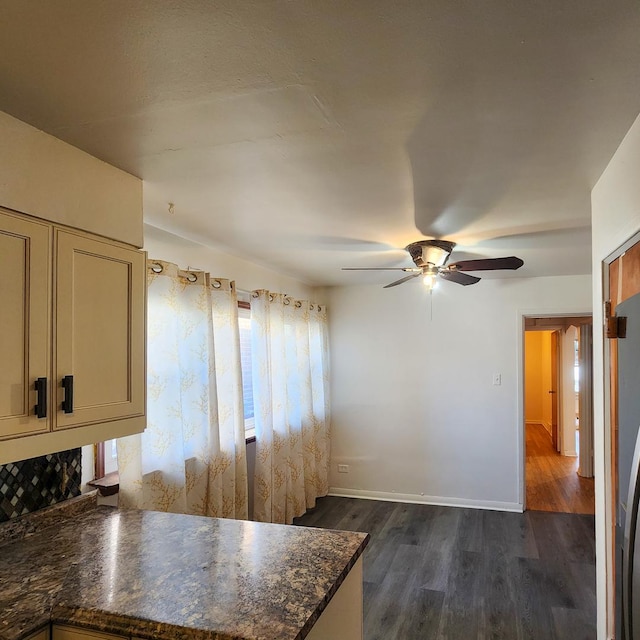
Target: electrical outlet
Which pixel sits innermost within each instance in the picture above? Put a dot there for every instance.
(343, 468)
(497, 379)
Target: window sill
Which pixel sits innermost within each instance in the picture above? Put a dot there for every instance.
(249, 430)
(107, 486)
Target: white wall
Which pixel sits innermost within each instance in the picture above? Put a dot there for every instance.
(615, 218)
(414, 412)
(162, 245)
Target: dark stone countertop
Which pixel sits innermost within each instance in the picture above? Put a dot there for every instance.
(162, 575)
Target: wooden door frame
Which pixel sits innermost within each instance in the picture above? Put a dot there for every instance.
(609, 446)
(522, 315)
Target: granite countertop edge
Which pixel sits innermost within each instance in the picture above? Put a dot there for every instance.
(109, 622)
(98, 620)
(129, 627)
(332, 591)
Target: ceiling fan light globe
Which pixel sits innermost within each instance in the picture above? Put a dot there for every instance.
(430, 281)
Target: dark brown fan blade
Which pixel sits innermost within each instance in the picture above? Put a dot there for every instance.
(459, 277)
(487, 264)
(381, 269)
(393, 284)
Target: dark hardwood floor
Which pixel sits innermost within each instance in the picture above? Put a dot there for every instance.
(552, 480)
(465, 574)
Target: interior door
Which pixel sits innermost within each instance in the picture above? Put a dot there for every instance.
(554, 390)
(628, 375)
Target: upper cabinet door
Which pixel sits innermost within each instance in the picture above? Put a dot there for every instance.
(99, 311)
(25, 277)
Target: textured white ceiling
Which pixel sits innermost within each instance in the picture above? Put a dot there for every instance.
(313, 135)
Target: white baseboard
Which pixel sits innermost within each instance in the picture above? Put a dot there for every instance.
(545, 423)
(468, 503)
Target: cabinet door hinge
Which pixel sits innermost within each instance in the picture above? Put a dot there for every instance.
(615, 326)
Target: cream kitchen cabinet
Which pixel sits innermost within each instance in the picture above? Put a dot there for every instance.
(25, 324)
(65, 632)
(72, 338)
(43, 634)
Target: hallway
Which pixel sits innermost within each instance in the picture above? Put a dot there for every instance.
(552, 481)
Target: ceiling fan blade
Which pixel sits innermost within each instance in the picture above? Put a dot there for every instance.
(381, 269)
(459, 277)
(487, 264)
(397, 282)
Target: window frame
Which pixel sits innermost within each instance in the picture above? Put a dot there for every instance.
(250, 434)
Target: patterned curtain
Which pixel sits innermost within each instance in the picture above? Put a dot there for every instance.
(290, 393)
(192, 456)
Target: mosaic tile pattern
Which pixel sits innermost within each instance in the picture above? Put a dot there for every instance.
(30, 485)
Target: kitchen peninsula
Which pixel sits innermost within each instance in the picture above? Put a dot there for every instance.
(146, 574)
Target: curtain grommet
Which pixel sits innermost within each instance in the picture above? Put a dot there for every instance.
(216, 284)
(156, 267)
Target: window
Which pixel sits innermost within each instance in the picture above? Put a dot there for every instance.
(244, 323)
(110, 456)
(106, 457)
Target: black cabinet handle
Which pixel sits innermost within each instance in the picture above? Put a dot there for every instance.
(41, 399)
(67, 385)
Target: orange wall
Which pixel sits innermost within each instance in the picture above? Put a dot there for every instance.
(537, 377)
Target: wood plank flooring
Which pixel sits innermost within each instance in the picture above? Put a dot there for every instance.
(447, 573)
(552, 481)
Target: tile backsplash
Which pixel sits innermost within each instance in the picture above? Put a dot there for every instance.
(30, 485)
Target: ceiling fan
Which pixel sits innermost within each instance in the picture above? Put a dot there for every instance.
(430, 257)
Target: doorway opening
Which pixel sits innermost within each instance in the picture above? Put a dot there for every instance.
(558, 413)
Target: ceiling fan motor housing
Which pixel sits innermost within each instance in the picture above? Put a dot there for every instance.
(431, 256)
(434, 252)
